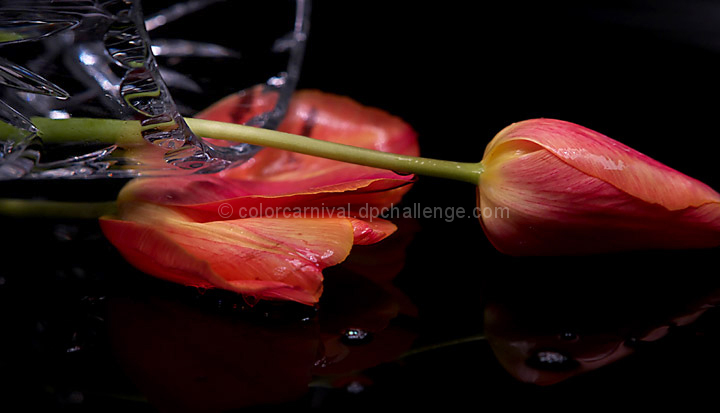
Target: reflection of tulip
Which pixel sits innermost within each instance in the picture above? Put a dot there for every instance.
(356, 304)
(553, 187)
(267, 228)
(183, 357)
(543, 335)
(186, 360)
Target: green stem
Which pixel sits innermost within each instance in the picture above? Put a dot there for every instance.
(436, 346)
(29, 208)
(326, 382)
(129, 132)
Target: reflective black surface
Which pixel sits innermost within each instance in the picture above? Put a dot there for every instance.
(84, 331)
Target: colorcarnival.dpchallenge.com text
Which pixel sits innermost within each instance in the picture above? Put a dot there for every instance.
(367, 211)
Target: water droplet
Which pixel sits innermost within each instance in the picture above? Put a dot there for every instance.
(356, 336)
(355, 387)
(322, 362)
(277, 81)
(251, 300)
(58, 114)
(73, 349)
(75, 344)
(568, 336)
(551, 360)
(632, 343)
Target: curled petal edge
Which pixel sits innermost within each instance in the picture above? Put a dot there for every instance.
(606, 159)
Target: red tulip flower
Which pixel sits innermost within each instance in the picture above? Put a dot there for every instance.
(268, 228)
(551, 187)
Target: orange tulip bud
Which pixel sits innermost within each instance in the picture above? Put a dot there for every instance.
(552, 187)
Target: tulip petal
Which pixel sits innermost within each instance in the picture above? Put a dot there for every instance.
(371, 231)
(262, 257)
(320, 116)
(202, 196)
(275, 180)
(534, 203)
(603, 158)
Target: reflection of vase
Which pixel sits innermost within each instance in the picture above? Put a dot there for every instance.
(95, 59)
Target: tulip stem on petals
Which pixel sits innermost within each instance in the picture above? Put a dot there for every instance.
(129, 132)
(31, 208)
(468, 172)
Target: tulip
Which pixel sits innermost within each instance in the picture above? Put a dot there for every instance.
(552, 187)
(268, 228)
